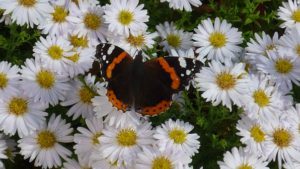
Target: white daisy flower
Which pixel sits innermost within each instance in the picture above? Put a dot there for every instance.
(44, 145)
(238, 158)
(183, 4)
(223, 83)
(263, 99)
(173, 38)
(291, 40)
(125, 17)
(57, 22)
(53, 51)
(176, 136)
(9, 80)
(81, 98)
(88, 20)
(73, 164)
(20, 114)
(134, 43)
(82, 61)
(218, 40)
(42, 84)
(155, 159)
(283, 66)
(10, 151)
(3, 148)
(282, 141)
(289, 12)
(87, 141)
(260, 45)
(252, 135)
(30, 12)
(123, 143)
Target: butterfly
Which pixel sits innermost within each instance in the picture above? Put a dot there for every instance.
(147, 87)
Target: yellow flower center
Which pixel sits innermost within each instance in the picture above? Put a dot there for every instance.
(45, 79)
(95, 138)
(92, 21)
(136, 41)
(46, 139)
(86, 95)
(260, 98)
(283, 66)
(127, 137)
(125, 17)
(245, 166)
(77, 41)
(3, 80)
(217, 39)
(178, 136)
(55, 52)
(174, 40)
(296, 15)
(27, 3)
(282, 138)
(225, 81)
(18, 106)
(161, 163)
(257, 134)
(74, 58)
(59, 14)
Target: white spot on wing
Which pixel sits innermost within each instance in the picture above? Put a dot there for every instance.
(188, 72)
(182, 62)
(181, 74)
(104, 57)
(110, 49)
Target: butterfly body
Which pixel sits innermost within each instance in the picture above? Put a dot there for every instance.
(147, 86)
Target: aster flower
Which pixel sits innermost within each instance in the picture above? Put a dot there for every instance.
(9, 79)
(283, 66)
(176, 136)
(173, 38)
(238, 158)
(18, 113)
(291, 40)
(252, 134)
(223, 83)
(282, 141)
(81, 97)
(88, 20)
(153, 158)
(81, 61)
(121, 144)
(30, 12)
(289, 12)
(263, 99)
(87, 141)
(218, 40)
(44, 145)
(183, 4)
(52, 52)
(43, 84)
(259, 46)
(125, 17)
(3, 148)
(57, 22)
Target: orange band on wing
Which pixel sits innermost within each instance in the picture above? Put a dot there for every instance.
(173, 75)
(113, 64)
(157, 109)
(114, 101)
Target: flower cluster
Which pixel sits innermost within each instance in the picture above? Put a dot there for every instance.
(257, 79)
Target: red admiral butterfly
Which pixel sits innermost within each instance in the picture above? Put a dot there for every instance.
(145, 86)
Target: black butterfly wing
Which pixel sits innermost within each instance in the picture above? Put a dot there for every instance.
(116, 68)
(162, 78)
